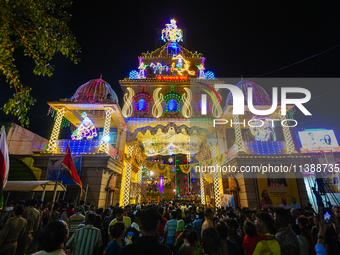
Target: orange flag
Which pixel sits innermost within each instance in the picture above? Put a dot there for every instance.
(68, 163)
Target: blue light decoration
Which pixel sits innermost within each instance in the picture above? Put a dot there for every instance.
(265, 147)
(78, 146)
(209, 75)
(172, 105)
(134, 75)
(173, 49)
(141, 105)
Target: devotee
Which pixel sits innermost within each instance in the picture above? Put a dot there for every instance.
(52, 238)
(162, 225)
(133, 231)
(32, 215)
(285, 236)
(117, 232)
(187, 217)
(228, 247)
(252, 238)
(197, 224)
(233, 234)
(304, 245)
(211, 242)
(284, 203)
(75, 220)
(209, 217)
(13, 229)
(265, 226)
(295, 205)
(120, 218)
(192, 245)
(170, 230)
(87, 240)
(148, 243)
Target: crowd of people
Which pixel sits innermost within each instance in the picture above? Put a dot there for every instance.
(31, 227)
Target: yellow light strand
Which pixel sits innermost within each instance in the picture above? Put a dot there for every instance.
(186, 109)
(217, 108)
(127, 179)
(128, 98)
(52, 144)
(290, 148)
(157, 109)
(202, 188)
(139, 183)
(104, 145)
(238, 135)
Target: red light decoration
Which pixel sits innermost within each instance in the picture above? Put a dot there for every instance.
(172, 78)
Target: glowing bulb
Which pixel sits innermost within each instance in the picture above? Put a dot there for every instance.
(151, 173)
(106, 138)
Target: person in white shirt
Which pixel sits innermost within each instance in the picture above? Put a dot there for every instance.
(284, 204)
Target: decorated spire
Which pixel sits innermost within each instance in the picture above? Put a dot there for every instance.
(171, 33)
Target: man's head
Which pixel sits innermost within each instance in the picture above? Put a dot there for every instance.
(119, 214)
(281, 217)
(187, 214)
(336, 211)
(294, 213)
(209, 214)
(233, 226)
(90, 218)
(128, 208)
(18, 210)
(316, 219)
(148, 222)
(92, 208)
(293, 200)
(264, 223)
(160, 211)
(53, 236)
(173, 215)
(284, 201)
(79, 210)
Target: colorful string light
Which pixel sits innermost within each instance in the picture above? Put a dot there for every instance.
(172, 33)
(186, 109)
(157, 109)
(86, 129)
(128, 98)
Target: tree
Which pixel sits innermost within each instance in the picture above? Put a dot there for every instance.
(39, 28)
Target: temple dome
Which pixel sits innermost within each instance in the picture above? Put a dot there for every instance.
(260, 96)
(94, 91)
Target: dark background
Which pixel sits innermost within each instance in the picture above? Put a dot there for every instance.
(237, 38)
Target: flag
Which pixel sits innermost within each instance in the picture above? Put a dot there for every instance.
(68, 163)
(4, 163)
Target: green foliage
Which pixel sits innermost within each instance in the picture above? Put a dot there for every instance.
(40, 29)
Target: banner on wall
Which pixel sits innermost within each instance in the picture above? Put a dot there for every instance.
(227, 200)
(278, 190)
(65, 178)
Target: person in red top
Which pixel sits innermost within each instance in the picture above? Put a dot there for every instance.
(162, 225)
(252, 238)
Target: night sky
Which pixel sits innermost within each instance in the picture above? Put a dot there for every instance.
(237, 38)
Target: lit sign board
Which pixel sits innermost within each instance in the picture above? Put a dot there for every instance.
(318, 140)
(172, 78)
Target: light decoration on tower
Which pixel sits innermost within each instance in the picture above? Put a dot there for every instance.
(128, 98)
(141, 101)
(186, 109)
(157, 68)
(171, 33)
(86, 129)
(141, 70)
(209, 75)
(182, 66)
(172, 100)
(157, 109)
(261, 129)
(134, 75)
(201, 69)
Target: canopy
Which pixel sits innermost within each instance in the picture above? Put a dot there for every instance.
(32, 186)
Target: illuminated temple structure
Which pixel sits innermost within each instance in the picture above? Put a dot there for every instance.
(149, 149)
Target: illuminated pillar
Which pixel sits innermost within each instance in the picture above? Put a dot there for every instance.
(139, 187)
(202, 188)
(127, 177)
(216, 174)
(238, 135)
(104, 146)
(290, 148)
(52, 144)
